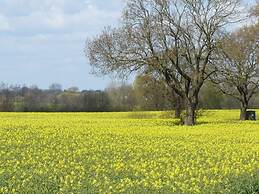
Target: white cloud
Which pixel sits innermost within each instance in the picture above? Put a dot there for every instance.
(28, 17)
(4, 25)
(55, 19)
(42, 39)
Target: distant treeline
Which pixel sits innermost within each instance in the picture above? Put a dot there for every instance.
(141, 96)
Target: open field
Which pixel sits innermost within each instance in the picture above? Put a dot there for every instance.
(127, 153)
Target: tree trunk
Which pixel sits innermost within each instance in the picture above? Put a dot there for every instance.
(243, 111)
(178, 112)
(190, 114)
(178, 108)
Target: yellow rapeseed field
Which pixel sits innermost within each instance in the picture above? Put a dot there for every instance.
(127, 153)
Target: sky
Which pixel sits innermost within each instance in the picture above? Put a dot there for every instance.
(42, 41)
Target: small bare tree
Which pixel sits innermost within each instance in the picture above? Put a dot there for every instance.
(155, 94)
(175, 39)
(238, 66)
(255, 10)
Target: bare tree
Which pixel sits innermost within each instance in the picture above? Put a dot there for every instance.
(255, 10)
(121, 96)
(55, 87)
(154, 94)
(173, 38)
(6, 98)
(238, 67)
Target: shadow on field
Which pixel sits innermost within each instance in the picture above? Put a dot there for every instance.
(141, 115)
(245, 183)
(151, 115)
(167, 118)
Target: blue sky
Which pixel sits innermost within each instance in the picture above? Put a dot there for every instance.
(42, 41)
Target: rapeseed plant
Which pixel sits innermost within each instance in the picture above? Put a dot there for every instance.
(121, 153)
